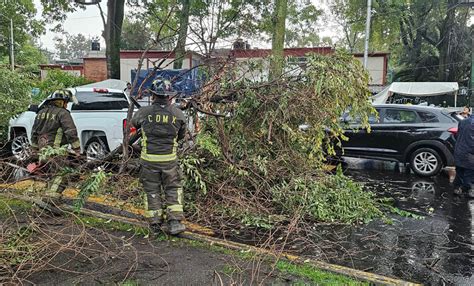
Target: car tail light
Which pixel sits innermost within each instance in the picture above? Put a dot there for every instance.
(101, 90)
(453, 130)
(132, 129)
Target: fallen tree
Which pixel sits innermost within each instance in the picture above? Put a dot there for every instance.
(251, 164)
(257, 167)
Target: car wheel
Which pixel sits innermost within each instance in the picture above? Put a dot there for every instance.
(426, 162)
(96, 149)
(20, 147)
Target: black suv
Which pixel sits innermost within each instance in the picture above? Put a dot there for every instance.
(418, 135)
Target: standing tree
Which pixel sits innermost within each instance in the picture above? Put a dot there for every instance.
(136, 34)
(112, 34)
(212, 21)
(25, 26)
(278, 38)
(180, 50)
(55, 11)
(435, 42)
(301, 21)
(72, 46)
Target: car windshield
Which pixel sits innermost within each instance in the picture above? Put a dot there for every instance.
(89, 100)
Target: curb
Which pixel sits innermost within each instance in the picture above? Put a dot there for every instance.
(196, 232)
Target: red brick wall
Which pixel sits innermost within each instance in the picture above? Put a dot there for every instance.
(95, 69)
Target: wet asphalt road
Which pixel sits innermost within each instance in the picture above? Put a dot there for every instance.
(436, 250)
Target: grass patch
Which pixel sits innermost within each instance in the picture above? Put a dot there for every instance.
(315, 275)
(9, 206)
(129, 283)
(303, 271)
(112, 225)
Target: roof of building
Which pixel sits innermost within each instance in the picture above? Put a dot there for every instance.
(95, 55)
(62, 66)
(132, 54)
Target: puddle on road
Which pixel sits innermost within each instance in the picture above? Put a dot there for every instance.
(436, 250)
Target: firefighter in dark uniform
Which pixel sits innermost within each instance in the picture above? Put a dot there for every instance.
(55, 127)
(162, 126)
(464, 158)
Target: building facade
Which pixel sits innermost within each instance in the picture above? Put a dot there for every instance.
(94, 66)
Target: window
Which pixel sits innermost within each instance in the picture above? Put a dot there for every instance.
(373, 118)
(428, 117)
(399, 116)
(100, 101)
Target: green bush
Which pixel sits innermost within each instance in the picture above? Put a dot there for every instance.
(57, 79)
(15, 96)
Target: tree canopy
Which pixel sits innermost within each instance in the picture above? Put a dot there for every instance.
(428, 41)
(72, 46)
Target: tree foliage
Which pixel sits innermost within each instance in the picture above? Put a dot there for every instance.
(302, 17)
(57, 79)
(160, 19)
(257, 155)
(136, 34)
(429, 41)
(72, 47)
(15, 92)
(436, 42)
(27, 58)
(25, 24)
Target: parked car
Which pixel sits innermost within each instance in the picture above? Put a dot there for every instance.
(420, 136)
(100, 115)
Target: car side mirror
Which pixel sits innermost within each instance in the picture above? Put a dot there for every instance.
(33, 108)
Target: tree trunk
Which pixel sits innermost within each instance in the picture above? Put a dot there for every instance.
(445, 69)
(180, 50)
(278, 38)
(113, 31)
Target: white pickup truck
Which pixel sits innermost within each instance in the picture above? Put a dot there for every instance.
(99, 114)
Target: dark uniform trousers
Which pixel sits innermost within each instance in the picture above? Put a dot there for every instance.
(162, 184)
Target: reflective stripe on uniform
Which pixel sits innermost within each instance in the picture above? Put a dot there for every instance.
(180, 196)
(56, 183)
(159, 158)
(155, 157)
(175, 144)
(58, 138)
(145, 202)
(175, 208)
(76, 144)
(144, 142)
(153, 213)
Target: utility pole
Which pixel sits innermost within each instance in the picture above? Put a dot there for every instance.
(12, 46)
(367, 33)
(471, 86)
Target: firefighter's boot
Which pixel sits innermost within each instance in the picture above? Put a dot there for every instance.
(175, 227)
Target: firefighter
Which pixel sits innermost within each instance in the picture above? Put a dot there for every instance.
(162, 126)
(54, 127)
(464, 158)
(53, 124)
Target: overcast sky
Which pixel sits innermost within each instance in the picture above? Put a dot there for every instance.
(89, 23)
